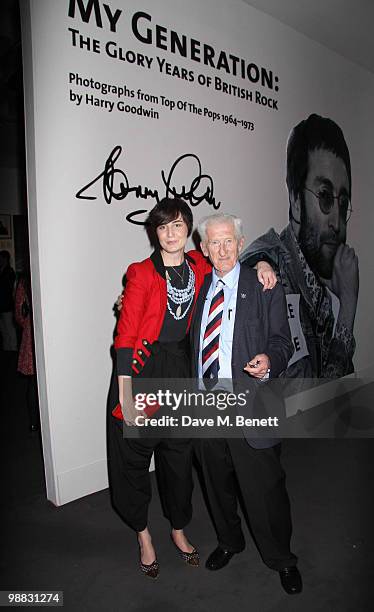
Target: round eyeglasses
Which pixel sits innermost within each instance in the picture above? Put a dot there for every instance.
(326, 200)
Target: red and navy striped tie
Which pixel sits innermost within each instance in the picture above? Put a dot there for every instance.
(210, 348)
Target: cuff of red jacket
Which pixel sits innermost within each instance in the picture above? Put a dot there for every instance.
(124, 361)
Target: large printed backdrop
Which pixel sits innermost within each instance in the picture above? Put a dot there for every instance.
(127, 101)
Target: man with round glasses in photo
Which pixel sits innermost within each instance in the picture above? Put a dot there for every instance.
(318, 270)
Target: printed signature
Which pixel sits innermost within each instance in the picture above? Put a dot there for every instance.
(116, 185)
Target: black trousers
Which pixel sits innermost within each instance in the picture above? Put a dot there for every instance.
(129, 461)
(230, 466)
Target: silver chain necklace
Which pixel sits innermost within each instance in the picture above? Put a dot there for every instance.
(181, 276)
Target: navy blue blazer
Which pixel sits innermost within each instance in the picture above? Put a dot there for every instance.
(261, 326)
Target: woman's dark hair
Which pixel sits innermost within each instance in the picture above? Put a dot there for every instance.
(169, 209)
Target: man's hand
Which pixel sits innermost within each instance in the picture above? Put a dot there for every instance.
(266, 275)
(344, 283)
(258, 366)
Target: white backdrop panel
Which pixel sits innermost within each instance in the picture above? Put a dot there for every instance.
(81, 248)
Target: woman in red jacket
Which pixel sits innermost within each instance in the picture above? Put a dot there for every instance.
(156, 311)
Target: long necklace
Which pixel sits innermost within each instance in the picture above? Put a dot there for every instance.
(181, 276)
(180, 296)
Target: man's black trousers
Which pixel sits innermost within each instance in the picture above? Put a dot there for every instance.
(230, 466)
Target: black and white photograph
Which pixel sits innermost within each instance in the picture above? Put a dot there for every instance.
(318, 269)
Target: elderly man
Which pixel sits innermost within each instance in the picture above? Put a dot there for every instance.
(240, 331)
(317, 269)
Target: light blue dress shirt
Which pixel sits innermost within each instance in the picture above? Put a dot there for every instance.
(230, 290)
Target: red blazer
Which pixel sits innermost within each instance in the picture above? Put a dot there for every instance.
(144, 306)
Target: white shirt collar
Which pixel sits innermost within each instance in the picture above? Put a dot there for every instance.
(230, 279)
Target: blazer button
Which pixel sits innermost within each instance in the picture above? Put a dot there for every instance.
(134, 361)
(145, 342)
(140, 352)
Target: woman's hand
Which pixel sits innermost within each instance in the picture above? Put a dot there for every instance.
(131, 415)
(266, 275)
(129, 411)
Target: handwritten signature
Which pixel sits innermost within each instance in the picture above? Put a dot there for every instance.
(115, 184)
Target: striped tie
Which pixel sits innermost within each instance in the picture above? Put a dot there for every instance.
(210, 348)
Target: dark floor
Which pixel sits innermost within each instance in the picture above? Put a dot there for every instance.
(84, 549)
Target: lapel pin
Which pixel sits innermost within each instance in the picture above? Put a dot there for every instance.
(243, 295)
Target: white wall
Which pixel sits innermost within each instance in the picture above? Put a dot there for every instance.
(81, 248)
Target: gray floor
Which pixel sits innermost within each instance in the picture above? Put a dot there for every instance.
(84, 549)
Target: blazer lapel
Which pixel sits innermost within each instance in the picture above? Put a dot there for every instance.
(244, 305)
(160, 277)
(158, 263)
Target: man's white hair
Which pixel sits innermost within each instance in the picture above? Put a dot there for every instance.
(217, 219)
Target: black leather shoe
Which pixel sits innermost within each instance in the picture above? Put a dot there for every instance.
(291, 580)
(218, 559)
